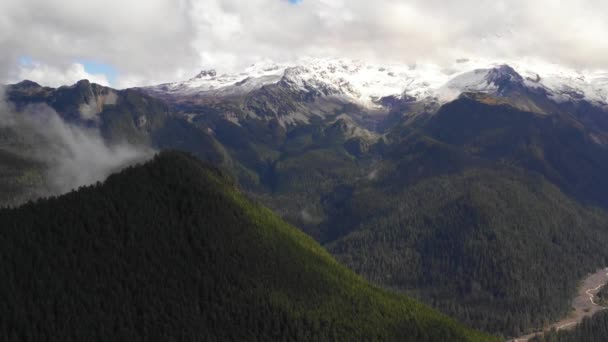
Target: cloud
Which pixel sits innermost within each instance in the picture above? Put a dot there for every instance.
(74, 156)
(150, 39)
(57, 76)
(568, 32)
(162, 40)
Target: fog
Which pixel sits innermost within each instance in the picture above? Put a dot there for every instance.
(74, 156)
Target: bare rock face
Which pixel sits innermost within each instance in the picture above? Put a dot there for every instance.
(206, 73)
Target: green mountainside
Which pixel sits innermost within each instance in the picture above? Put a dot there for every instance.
(499, 250)
(171, 250)
(483, 211)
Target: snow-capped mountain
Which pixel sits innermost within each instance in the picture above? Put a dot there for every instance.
(366, 83)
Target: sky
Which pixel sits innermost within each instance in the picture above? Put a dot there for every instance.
(125, 43)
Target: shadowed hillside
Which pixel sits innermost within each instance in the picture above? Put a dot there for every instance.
(172, 250)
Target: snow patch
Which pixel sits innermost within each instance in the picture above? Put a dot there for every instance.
(365, 83)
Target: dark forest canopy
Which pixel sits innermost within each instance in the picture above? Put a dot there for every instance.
(171, 250)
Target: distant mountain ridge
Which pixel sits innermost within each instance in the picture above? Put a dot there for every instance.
(367, 83)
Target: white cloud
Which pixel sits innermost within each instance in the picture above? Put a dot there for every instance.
(56, 76)
(151, 41)
(74, 156)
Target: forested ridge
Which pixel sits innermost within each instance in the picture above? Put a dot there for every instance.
(477, 245)
(171, 250)
(480, 212)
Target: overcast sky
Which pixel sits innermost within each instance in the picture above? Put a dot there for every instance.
(139, 42)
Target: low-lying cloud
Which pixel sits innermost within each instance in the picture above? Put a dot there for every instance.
(74, 156)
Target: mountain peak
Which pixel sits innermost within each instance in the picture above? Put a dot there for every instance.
(26, 84)
(365, 83)
(503, 75)
(83, 83)
(206, 73)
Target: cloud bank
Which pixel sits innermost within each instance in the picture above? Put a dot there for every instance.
(58, 76)
(154, 41)
(74, 156)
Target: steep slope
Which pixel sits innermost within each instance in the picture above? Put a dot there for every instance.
(560, 146)
(502, 250)
(120, 115)
(172, 250)
(480, 203)
(479, 210)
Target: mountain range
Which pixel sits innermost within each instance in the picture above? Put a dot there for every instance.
(478, 188)
(367, 83)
